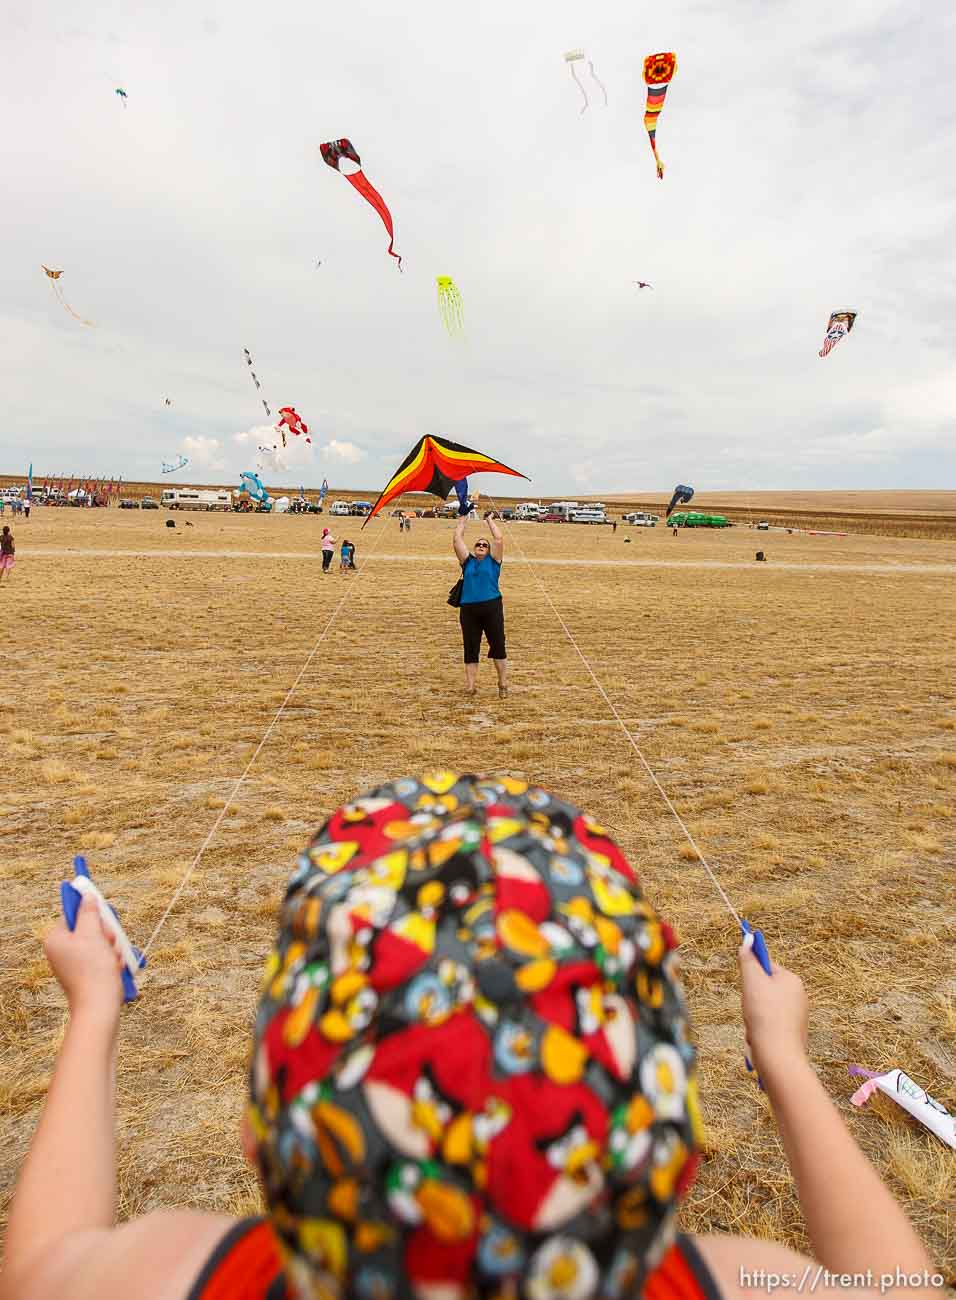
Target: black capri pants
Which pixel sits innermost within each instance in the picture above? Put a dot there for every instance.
(483, 616)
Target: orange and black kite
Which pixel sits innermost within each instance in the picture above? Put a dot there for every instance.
(435, 465)
(333, 152)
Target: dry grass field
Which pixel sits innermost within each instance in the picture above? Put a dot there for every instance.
(801, 713)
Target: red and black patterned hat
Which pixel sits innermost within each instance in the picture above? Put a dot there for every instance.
(472, 1071)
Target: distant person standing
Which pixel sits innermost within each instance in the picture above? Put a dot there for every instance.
(345, 555)
(26, 508)
(8, 551)
(328, 549)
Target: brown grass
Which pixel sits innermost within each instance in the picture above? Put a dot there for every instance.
(831, 827)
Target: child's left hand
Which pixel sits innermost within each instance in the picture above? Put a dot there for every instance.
(86, 963)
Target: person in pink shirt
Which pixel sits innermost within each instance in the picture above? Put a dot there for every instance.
(328, 549)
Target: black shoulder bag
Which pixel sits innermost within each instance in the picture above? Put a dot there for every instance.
(455, 594)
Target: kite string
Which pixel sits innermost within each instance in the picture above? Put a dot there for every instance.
(187, 875)
(634, 745)
(584, 93)
(599, 81)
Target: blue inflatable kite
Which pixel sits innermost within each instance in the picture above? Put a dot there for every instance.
(682, 494)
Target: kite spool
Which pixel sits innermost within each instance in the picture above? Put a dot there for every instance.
(760, 556)
(170, 523)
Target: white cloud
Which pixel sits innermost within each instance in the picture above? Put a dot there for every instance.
(204, 452)
(345, 452)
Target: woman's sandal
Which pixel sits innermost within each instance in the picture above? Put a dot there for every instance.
(502, 692)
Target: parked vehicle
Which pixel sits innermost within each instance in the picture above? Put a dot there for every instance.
(149, 503)
(589, 516)
(194, 499)
(564, 508)
(529, 510)
(129, 505)
(360, 507)
(640, 519)
(340, 508)
(763, 526)
(553, 517)
(509, 514)
(694, 519)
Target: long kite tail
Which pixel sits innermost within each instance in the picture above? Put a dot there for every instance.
(360, 182)
(584, 93)
(63, 302)
(599, 81)
(655, 102)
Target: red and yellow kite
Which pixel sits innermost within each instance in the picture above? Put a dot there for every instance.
(435, 465)
(659, 70)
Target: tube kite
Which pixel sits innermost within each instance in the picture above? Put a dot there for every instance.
(248, 356)
(323, 491)
(659, 70)
(449, 304)
(291, 420)
(54, 277)
(682, 494)
(436, 465)
(333, 152)
(575, 56)
(170, 466)
(838, 326)
(898, 1085)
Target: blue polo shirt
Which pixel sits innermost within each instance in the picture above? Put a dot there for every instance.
(481, 579)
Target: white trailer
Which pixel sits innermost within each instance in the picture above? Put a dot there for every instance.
(194, 499)
(565, 508)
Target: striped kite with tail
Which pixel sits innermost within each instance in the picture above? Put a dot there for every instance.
(659, 71)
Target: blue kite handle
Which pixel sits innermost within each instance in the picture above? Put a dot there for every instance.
(70, 900)
(759, 950)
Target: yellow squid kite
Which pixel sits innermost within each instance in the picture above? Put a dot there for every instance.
(449, 304)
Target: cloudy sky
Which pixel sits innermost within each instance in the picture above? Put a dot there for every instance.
(809, 150)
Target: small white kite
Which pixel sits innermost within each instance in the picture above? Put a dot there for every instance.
(575, 56)
(898, 1085)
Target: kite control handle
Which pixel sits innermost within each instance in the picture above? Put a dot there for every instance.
(759, 949)
(72, 894)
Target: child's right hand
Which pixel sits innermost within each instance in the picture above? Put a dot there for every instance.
(87, 964)
(775, 1013)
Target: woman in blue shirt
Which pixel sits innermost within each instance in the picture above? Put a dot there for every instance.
(481, 609)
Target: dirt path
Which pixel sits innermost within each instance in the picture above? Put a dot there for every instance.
(812, 567)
